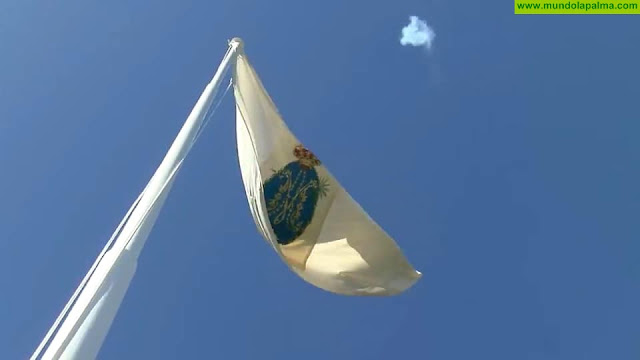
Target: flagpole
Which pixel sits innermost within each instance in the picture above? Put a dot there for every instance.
(99, 296)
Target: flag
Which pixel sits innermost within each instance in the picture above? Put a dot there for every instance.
(314, 225)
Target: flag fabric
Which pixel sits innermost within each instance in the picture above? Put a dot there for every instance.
(314, 225)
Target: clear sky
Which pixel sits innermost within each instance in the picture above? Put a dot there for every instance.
(504, 162)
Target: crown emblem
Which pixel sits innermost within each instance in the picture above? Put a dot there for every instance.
(305, 157)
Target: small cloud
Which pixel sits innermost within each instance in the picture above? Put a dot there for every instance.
(417, 33)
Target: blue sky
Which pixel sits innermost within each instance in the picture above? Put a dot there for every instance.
(504, 163)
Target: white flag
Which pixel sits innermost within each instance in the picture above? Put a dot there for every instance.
(302, 211)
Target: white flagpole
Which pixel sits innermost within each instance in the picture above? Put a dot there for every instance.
(96, 302)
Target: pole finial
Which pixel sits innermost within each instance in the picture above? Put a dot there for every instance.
(237, 42)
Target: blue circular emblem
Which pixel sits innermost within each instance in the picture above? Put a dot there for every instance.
(291, 196)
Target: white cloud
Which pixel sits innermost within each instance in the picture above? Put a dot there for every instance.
(417, 33)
